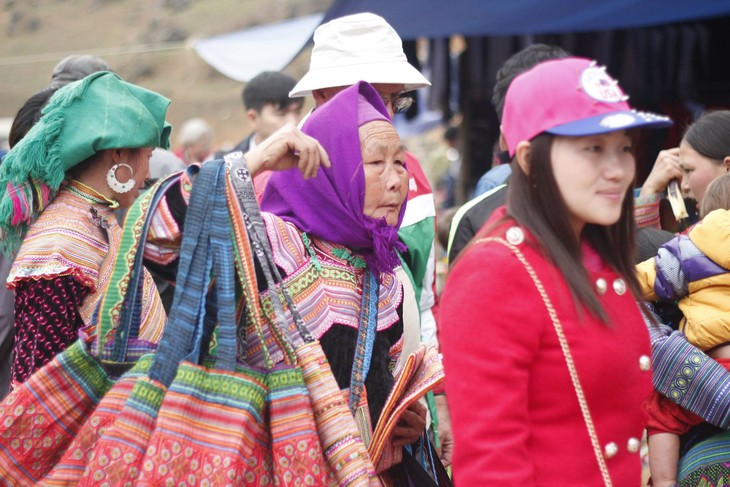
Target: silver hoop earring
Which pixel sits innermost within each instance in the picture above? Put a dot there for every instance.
(115, 184)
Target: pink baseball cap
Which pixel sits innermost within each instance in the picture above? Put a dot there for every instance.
(569, 96)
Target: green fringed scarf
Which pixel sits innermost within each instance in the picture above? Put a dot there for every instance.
(82, 118)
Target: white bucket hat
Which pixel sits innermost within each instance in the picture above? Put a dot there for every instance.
(360, 47)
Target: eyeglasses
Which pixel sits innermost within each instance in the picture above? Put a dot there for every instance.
(399, 102)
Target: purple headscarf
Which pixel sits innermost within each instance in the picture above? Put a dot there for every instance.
(330, 206)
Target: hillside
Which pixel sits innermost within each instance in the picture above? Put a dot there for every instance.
(36, 34)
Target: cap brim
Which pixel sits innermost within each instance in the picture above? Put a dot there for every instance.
(391, 73)
(610, 122)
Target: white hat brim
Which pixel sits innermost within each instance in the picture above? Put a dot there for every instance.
(395, 72)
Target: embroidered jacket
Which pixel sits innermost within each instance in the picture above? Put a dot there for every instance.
(73, 238)
(327, 289)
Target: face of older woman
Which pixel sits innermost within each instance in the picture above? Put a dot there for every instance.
(386, 178)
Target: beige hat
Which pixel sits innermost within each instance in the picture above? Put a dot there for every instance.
(360, 47)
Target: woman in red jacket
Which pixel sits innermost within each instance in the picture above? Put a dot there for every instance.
(545, 345)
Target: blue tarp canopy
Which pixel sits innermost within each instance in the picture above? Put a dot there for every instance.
(442, 18)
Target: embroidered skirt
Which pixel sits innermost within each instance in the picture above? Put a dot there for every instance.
(707, 463)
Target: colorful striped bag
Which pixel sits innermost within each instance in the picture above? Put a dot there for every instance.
(347, 459)
(99, 453)
(296, 452)
(118, 455)
(43, 415)
(240, 427)
(211, 428)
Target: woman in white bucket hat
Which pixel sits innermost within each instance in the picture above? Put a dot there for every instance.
(360, 47)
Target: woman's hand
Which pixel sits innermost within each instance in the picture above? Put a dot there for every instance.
(410, 426)
(666, 167)
(286, 148)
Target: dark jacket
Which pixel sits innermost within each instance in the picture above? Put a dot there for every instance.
(242, 146)
(474, 218)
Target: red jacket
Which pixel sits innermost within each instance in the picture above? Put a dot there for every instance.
(515, 416)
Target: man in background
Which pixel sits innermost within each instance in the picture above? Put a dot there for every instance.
(268, 108)
(195, 141)
(473, 214)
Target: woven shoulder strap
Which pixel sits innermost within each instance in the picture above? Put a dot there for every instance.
(120, 310)
(566, 353)
(243, 187)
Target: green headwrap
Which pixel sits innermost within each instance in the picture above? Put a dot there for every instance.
(82, 118)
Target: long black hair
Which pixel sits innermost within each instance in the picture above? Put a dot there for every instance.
(709, 135)
(534, 201)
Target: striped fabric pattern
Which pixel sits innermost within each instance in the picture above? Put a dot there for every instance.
(111, 450)
(296, 450)
(421, 373)
(40, 418)
(57, 409)
(646, 210)
(74, 236)
(118, 453)
(678, 363)
(247, 278)
(324, 296)
(347, 458)
(67, 239)
(54, 411)
(165, 236)
(707, 463)
(122, 269)
(345, 453)
(82, 452)
(296, 453)
(210, 429)
(340, 285)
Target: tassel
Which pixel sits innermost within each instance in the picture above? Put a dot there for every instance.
(384, 257)
(344, 254)
(37, 156)
(312, 256)
(19, 209)
(31, 174)
(28, 201)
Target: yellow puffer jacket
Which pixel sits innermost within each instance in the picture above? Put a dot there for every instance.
(694, 269)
